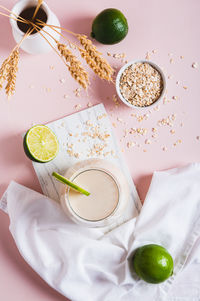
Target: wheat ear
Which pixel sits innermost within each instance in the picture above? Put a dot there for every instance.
(75, 67)
(12, 68)
(9, 68)
(105, 71)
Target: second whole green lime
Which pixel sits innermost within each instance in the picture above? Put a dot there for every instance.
(109, 27)
(152, 263)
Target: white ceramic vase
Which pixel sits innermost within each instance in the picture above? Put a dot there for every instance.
(35, 43)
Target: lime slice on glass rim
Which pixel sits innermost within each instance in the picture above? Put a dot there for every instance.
(41, 144)
(69, 183)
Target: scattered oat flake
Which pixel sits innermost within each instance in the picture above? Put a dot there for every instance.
(170, 76)
(65, 96)
(77, 92)
(101, 116)
(157, 108)
(141, 131)
(154, 51)
(164, 148)
(147, 141)
(174, 97)
(31, 86)
(70, 152)
(78, 106)
(170, 54)
(177, 142)
(130, 144)
(198, 137)
(185, 87)
(167, 121)
(62, 80)
(118, 55)
(194, 65)
(177, 82)
(171, 61)
(147, 57)
(106, 154)
(140, 117)
(181, 57)
(173, 116)
(89, 104)
(144, 150)
(70, 145)
(76, 155)
(119, 119)
(89, 123)
(114, 124)
(172, 131)
(115, 99)
(51, 67)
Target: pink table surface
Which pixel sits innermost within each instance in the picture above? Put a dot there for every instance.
(172, 28)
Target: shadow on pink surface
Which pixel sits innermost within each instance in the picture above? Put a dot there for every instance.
(10, 253)
(12, 158)
(7, 41)
(81, 25)
(142, 184)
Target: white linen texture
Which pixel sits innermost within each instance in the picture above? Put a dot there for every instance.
(86, 264)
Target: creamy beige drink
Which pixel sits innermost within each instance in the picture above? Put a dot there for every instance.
(103, 198)
(109, 193)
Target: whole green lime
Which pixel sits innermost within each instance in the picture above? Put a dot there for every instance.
(152, 263)
(109, 27)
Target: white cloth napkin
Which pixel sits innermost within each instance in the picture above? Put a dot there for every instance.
(83, 264)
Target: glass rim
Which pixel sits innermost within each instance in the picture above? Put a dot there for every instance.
(74, 177)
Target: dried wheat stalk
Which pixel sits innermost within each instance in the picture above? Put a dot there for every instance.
(8, 72)
(101, 66)
(3, 72)
(91, 63)
(9, 68)
(90, 53)
(12, 69)
(75, 68)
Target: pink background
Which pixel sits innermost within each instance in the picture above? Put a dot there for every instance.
(166, 26)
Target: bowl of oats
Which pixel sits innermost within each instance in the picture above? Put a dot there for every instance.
(140, 84)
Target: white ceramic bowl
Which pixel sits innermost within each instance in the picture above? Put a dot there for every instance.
(118, 82)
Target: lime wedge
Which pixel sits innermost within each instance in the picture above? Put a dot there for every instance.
(40, 144)
(71, 184)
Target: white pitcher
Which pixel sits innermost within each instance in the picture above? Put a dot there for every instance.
(35, 43)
